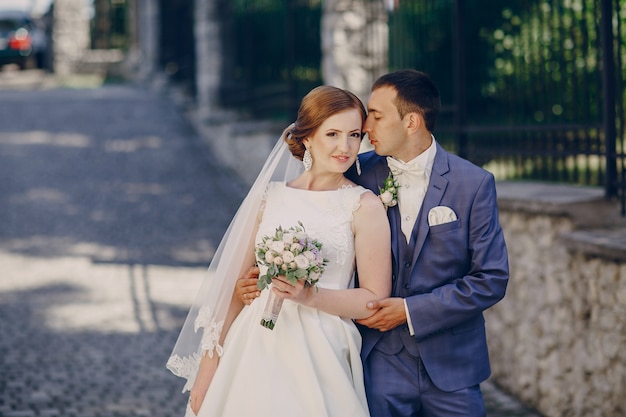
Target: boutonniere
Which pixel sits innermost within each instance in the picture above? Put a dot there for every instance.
(389, 191)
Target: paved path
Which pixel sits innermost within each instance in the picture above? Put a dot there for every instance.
(109, 218)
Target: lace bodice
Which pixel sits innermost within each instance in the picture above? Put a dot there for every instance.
(326, 216)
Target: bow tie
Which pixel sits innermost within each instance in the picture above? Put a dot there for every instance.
(398, 167)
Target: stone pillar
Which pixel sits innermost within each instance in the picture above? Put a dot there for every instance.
(355, 38)
(208, 55)
(144, 54)
(70, 35)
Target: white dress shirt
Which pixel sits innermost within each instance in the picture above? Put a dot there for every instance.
(412, 178)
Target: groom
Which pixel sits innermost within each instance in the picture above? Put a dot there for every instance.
(424, 349)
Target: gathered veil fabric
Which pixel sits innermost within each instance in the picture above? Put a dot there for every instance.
(202, 328)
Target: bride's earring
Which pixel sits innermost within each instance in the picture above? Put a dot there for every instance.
(358, 166)
(307, 160)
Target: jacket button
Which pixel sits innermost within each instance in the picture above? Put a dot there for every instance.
(407, 264)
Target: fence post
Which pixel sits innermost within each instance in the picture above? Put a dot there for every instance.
(460, 96)
(608, 89)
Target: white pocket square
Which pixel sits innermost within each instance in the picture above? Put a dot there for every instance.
(440, 214)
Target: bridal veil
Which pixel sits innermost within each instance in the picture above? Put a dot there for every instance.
(202, 328)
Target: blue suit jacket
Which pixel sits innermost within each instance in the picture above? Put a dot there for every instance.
(456, 271)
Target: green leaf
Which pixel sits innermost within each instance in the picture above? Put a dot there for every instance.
(263, 282)
(272, 271)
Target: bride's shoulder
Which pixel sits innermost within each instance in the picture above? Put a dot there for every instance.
(368, 197)
(273, 184)
(272, 188)
(362, 197)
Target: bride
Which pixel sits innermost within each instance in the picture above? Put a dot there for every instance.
(308, 364)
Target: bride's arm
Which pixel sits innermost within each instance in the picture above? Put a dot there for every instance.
(372, 242)
(209, 363)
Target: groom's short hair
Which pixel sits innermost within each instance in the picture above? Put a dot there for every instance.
(416, 93)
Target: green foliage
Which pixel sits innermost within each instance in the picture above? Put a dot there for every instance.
(533, 81)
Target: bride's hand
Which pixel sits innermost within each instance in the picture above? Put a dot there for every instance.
(299, 292)
(206, 371)
(246, 288)
(196, 398)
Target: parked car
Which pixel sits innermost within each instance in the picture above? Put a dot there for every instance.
(22, 42)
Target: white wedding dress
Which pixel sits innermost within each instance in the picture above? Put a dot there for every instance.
(309, 364)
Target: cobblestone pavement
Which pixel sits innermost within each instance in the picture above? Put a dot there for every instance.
(110, 213)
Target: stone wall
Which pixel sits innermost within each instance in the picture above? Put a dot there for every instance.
(557, 339)
(354, 44)
(70, 35)
(209, 55)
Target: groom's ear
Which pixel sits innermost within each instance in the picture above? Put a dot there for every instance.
(413, 122)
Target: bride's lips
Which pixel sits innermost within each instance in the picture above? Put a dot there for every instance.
(342, 158)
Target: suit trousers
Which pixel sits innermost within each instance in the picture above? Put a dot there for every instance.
(402, 388)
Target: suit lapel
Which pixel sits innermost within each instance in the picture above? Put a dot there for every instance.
(393, 214)
(436, 189)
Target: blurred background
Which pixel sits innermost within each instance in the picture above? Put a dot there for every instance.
(533, 89)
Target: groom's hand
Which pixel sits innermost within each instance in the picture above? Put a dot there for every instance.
(245, 287)
(389, 313)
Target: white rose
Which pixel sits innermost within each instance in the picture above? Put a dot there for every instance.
(287, 256)
(296, 247)
(278, 260)
(302, 262)
(269, 257)
(309, 255)
(288, 237)
(386, 198)
(301, 236)
(277, 246)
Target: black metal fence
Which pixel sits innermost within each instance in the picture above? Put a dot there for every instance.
(114, 25)
(177, 53)
(109, 25)
(273, 54)
(533, 89)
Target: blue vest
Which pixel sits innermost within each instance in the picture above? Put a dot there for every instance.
(393, 340)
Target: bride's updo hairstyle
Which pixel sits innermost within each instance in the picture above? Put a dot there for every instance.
(317, 106)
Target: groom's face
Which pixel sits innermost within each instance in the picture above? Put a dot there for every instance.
(384, 127)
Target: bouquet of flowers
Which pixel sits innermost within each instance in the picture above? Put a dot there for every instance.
(292, 254)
